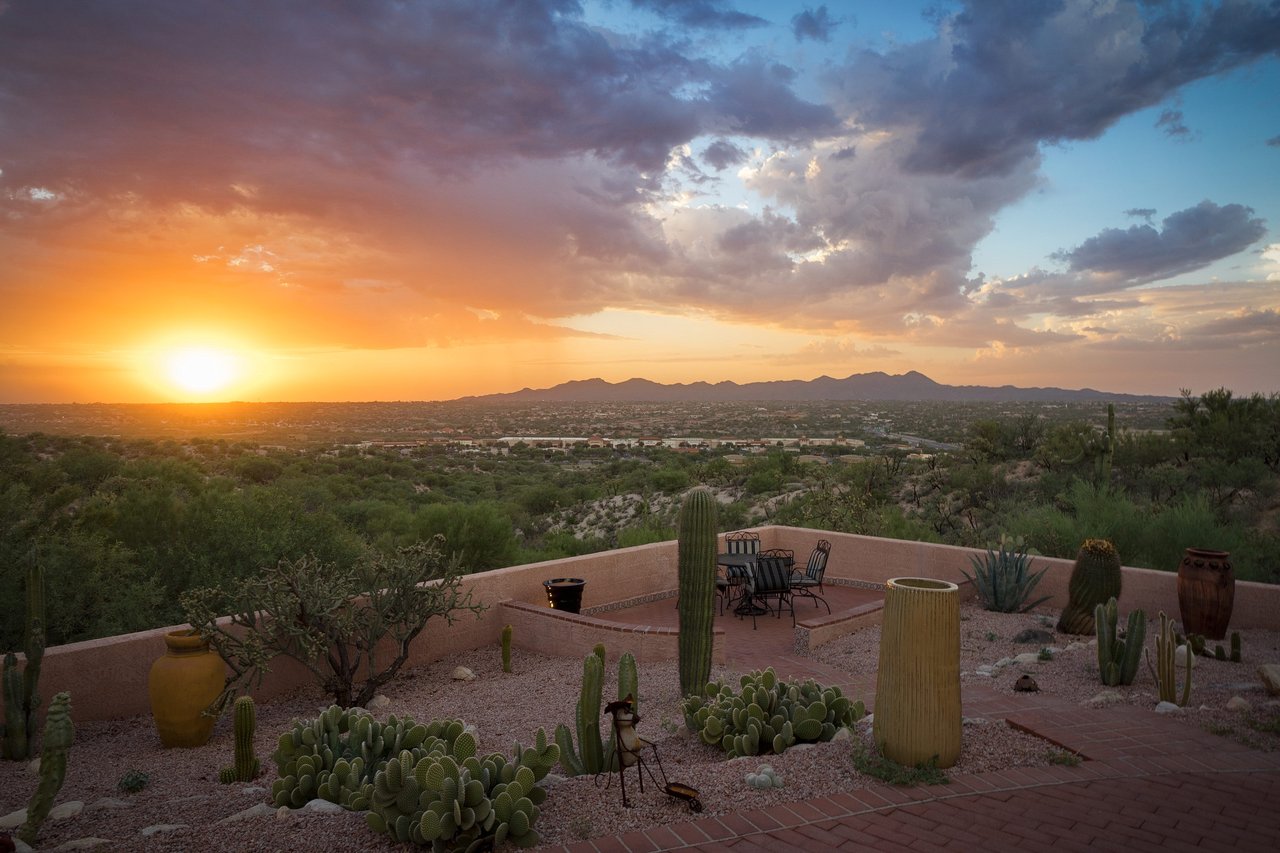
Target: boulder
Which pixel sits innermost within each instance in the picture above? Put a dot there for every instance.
(1034, 635)
(1270, 675)
(1238, 703)
(463, 674)
(1167, 708)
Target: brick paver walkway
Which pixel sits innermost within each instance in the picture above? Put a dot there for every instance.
(1147, 783)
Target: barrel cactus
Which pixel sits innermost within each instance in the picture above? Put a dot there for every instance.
(697, 588)
(1094, 579)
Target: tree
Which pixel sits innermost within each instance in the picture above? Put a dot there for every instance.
(330, 618)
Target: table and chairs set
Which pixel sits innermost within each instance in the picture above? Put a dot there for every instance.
(752, 582)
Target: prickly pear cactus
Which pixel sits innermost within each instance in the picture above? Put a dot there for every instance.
(768, 715)
(1094, 578)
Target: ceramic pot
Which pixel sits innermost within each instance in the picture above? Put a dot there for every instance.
(181, 685)
(565, 593)
(1206, 592)
(917, 707)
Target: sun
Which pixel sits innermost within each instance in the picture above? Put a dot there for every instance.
(201, 370)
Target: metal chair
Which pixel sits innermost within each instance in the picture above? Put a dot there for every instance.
(804, 583)
(728, 585)
(770, 579)
(742, 542)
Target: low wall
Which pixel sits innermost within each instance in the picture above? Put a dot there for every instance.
(541, 629)
(108, 677)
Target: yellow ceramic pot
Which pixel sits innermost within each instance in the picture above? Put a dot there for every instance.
(917, 707)
(181, 685)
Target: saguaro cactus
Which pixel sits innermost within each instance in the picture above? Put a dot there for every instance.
(1094, 579)
(58, 735)
(1118, 659)
(697, 587)
(246, 763)
(21, 691)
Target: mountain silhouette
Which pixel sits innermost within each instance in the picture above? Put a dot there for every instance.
(908, 387)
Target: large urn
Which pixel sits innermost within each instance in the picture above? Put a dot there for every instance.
(1206, 592)
(182, 684)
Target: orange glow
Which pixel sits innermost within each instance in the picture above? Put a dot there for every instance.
(201, 371)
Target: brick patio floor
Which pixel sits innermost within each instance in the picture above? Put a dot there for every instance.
(1146, 783)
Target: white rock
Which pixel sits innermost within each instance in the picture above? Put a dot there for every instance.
(868, 719)
(1074, 646)
(1238, 703)
(62, 811)
(20, 846)
(974, 721)
(842, 734)
(158, 828)
(1167, 708)
(33, 766)
(1180, 657)
(986, 669)
(108, 803)
(319, 806)
(1270, 675)
(1003, 662)
(284, 813)
(1104, 699)
(463, 674)
(254, 791)
(1027, 658)
(981, 674)
(260, 810)
(378, 702)
(83, 843)
(13, 820)
(551, 779)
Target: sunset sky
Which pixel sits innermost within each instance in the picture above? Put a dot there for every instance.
(324, 200)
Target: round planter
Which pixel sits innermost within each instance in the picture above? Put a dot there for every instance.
(917, 706)
(181, 686)
(1206, 592)
(565, 593)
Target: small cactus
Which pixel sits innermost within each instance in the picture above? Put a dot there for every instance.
(58, 736)
(506, 648)
(1165, 671)
(593, 755)
(764, 777)
(1118, 659)
(246, 764)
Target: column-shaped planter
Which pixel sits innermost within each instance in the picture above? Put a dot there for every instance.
(917, 707)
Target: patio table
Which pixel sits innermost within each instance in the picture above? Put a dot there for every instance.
(739, 572)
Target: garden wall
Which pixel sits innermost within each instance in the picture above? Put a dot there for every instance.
(108, 677)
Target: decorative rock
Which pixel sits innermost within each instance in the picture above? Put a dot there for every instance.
(20, 846)
(1104, 699)
(1270, 675)
(1073, 646)
(1027, 658)
(1003, 662)
(377, 703)
(1026, 684)
(83, 843)
(1034, 635)
(1238, 703)
(283, 813)
(842, 734)
(65, 810)
(13, 820)
(33, 766)
(158, 828)
(319, 806)
(986, 669)
(973, 721)
(463, 674)
(260, 810)
(552, 779)
(1180, 657)
(254, 791)
(1167, 708)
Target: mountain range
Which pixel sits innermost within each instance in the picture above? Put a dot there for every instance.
(911, 386)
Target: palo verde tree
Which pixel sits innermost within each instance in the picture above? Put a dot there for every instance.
(331, 618)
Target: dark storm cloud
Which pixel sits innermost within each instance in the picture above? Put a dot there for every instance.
(816, 24)
(709, 14)
(1188, 240)
(721, 154)
(1002, 78)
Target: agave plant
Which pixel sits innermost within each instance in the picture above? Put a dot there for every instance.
(1004, 581)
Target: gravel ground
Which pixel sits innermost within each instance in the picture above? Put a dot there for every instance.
(183, 789)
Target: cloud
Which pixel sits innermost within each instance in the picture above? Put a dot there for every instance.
(1001, 79)
(1274, 142)
(710, 14)
(1189, 240)
(721, 154)
(816, 24)
(1171, 122)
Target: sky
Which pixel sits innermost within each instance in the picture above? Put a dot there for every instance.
(399, 200)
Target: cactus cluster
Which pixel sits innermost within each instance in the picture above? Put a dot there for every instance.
(1165, 669)
(1095, 577)
(593, 754)
(764, 777)
(454, 800)
(1003, 580)
(336, 756)
(21, 693)
(246, 763)
(769, 714)
(58, 735)
(696, 549)
(1118, 659)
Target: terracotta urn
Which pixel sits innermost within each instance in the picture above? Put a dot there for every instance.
(1206, 592)
(181, 685)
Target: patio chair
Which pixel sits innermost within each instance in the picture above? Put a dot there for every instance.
(742, 542)
(770, 579)
(806, 581)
